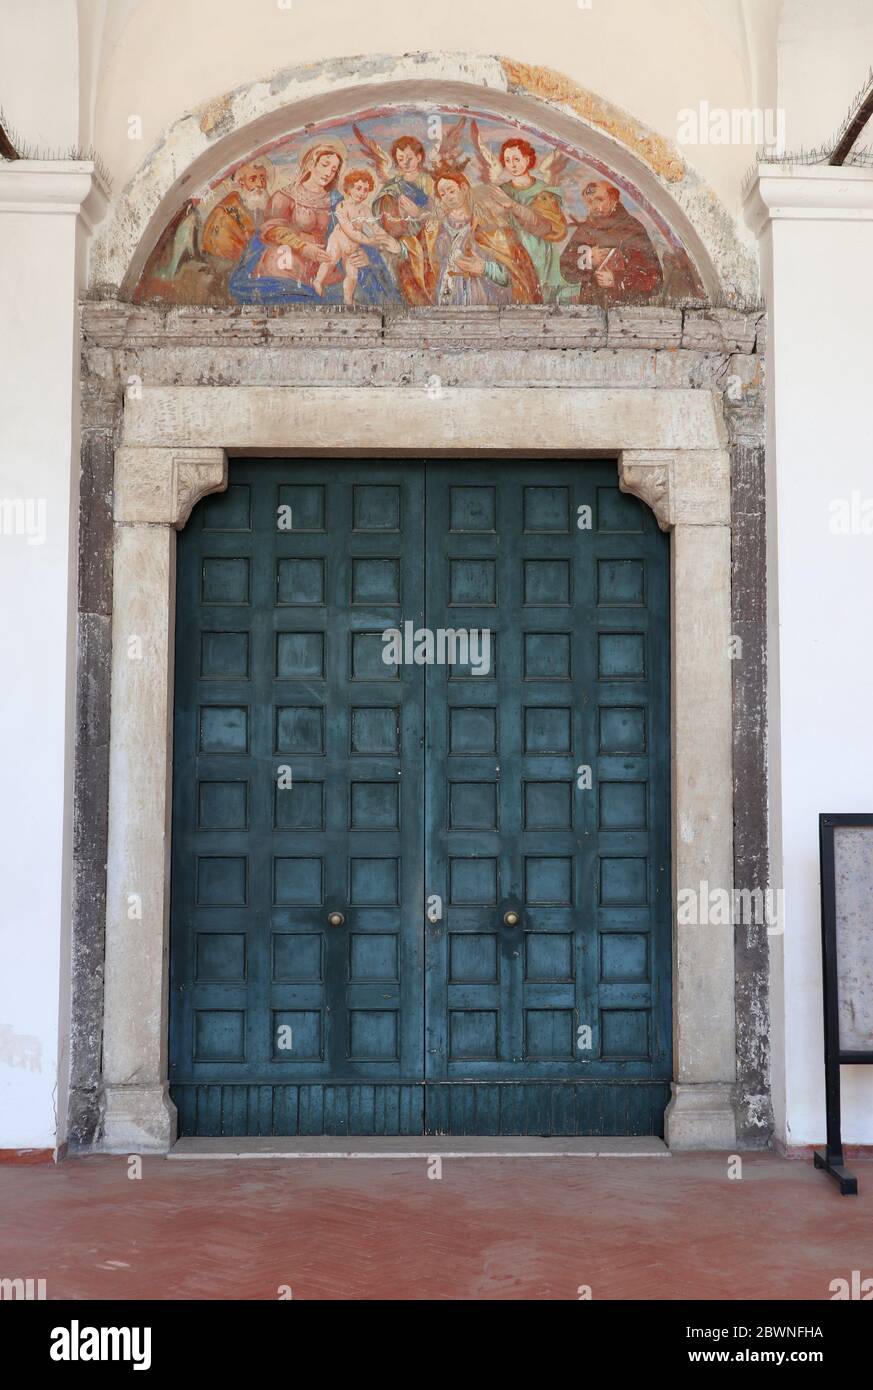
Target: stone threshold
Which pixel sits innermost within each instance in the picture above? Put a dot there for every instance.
(417, 1147)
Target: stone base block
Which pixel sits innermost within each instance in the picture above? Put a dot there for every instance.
(701, 1117)
(139, 1119)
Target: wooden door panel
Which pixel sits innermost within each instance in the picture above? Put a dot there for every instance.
(578, 681)
(279, 666)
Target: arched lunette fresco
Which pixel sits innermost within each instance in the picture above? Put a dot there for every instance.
(416, 206)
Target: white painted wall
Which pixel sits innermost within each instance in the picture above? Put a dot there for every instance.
(820, 449)
(39, 72)
(39, 485)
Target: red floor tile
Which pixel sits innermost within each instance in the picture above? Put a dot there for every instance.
(672, 1228)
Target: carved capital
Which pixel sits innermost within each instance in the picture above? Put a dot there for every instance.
(683, 487)
(649, 476)
(161, 486)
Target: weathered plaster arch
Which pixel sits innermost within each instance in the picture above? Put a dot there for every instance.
(199, 145)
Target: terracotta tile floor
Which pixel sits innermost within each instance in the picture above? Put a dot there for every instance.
(672, 1228)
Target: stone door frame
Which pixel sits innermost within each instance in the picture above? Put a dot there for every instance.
(672, 452)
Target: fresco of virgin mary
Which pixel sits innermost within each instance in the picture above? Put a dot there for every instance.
(283, 259)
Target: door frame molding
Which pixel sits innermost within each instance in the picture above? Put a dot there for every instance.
(671, 450)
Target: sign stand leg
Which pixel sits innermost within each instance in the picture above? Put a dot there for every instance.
(833, 1164)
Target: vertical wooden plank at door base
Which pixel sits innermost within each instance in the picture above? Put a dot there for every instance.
(412, 1110)
(311, 1110)
(210, 1107)
(285, 1110)
(360, 1109)
(487, 1119)
(392, 1109)
(536, 1109)
(563, 1119)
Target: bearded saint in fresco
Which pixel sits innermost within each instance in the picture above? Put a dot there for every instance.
(283, 259)
(235, 218)
(610, 255)
(202, 246)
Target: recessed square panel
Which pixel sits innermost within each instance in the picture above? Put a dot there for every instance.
(547, 729)
(547, 509)
(547, 583)
(297, 1035)
(307, 503)
(473, 958)
(224, 655)
(621, 583)
(224, 579)
(472, 583)
(621, 656)
(300, 582)
(618, 511)
(219, 957)
(373, 956)
(300, 729)
(222, 805)
(300, 655)
(377, 507)
(472, 805)
(548, 806)
(548, 957)
(224, 729)
(298, 957)
(622, 729)
(547, 656)
(472, 509)
(374, 806)
(548, 1034)
(472, 1034)
(375, 730)
(473, 729)
(375, 580)
(298, 807)
(548, 880)
(624, 957)
(373, 1035)
(230, 510)
(374, 882)
(297, 881)
(221, 881)
(219, 1035)
(622, 806)
(367, 663)
(624, 1033)
(472, 882)
(623, 882)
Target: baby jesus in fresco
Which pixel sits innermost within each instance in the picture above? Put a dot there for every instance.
(355, 227)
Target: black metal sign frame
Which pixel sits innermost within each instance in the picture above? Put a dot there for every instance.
(832, 1159)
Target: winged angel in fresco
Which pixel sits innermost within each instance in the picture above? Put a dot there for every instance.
(533, 203)
(460, 244)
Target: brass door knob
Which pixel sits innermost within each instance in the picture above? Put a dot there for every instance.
(510, 919)
(335, 919)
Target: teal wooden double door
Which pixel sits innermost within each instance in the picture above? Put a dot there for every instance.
(421, 878)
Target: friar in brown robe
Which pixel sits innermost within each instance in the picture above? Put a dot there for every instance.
(610, 255)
